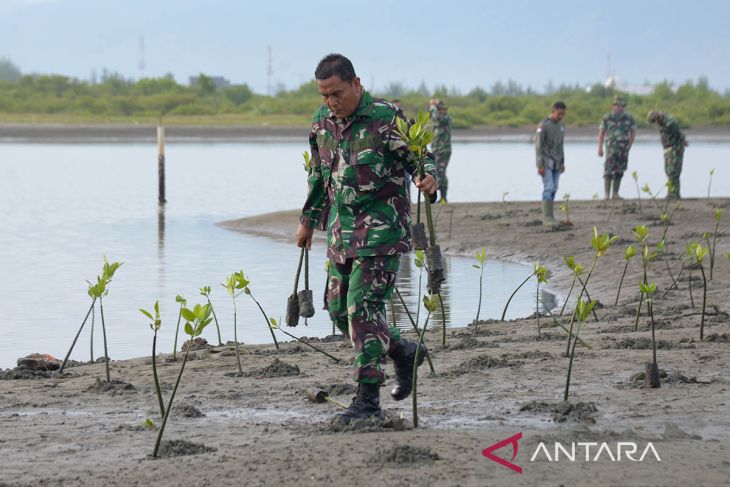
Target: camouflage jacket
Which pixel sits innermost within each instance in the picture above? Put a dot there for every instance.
(442, 131)
(670, 133)
(618, 129)
(549, 143)
(357, 186)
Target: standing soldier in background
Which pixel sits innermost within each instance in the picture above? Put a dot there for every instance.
(358, 192)
(674, 142)
(550, 158)
(441, 145)
(618, 129)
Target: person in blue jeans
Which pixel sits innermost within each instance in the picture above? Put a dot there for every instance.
(550, 158)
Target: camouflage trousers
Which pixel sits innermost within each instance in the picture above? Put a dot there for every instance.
(442, 157)
(617, 160)
(673, 158)
(356, 295)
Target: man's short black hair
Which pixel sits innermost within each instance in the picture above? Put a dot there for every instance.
(559, 105)
(335, 64)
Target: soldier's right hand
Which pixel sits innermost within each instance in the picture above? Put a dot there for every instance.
(541, 171)
(600, 152)
(304, 236)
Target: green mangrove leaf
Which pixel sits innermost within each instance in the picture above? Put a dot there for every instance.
(630, 252)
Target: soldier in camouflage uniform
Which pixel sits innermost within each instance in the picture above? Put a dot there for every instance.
(550, 158)
(618, 129)
(441, 145)
(674, 142)
(357, 191)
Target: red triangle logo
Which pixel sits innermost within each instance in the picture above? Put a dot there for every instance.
(512, 440)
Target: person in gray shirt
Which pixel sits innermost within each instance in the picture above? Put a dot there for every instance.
(550, 158)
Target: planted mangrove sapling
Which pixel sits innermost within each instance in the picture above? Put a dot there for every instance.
(195, 322)
(247, 292)
(155, 326)
(420, 261)
(718, 216)
(481, 257)
(98, 291)
(235, 284)
(430, 304)
(652, 369)
(629, 254)
(205, 291)
(709, 185)
(565, 207)
(699, 253)
(642, 234)
(183, 302)
(541, 274)
(582, 310)
(274, 325)
(577, 270)
(600, 243)
(635, 175)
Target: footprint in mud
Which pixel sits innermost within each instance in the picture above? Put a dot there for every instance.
(177, 448)
(405, 455)
(583, 412)
(113, 387)
(675, 377)
(390, 421)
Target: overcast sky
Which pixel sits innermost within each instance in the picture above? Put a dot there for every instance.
(456, 43)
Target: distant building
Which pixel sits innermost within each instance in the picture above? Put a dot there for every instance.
(616, 83)
(219, 81)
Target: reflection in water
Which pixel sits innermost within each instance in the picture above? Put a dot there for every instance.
(161, 244)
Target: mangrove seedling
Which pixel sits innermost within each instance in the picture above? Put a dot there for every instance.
(577, 270)
(292, 302)
(652, 369)
(635, 175)
(582, 310)
(247, 292)
(430, 304)
(646, 189)
(481, 257)
(183, 302)
(642, 234)
(629, 254)
(699, 255)
(718, 216)
(565, 207)
(541, 274)
(504, 196)
(155, 326)
(98, 291)
(274, 325)
(235, 284)
(205, 291)
(709, 185)
(307, 161)
(415, 327)
(196, 320)
(504, 311)
(420, 261)
(600, 243)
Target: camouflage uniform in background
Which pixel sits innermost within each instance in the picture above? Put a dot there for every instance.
(441, 146)
(618, 130)
(674, 142)
(358, 192)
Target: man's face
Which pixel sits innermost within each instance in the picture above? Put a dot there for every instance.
(618, 109)
(341, 97)
(442, 111)
(557, 114)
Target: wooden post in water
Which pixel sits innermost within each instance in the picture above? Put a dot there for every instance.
(161, 164)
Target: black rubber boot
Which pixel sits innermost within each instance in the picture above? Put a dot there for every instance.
(403, 357)
(366, 404)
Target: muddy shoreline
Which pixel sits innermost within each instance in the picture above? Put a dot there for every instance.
(142, 133)
(505, 379)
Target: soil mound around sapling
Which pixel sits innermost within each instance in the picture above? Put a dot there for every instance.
(674, 377)
(530, 355)
(562, 412)
(481, 362)
(178, 448)
(405, 455)
(639, 343)
(277, 368)
(467, 343)
(20, 373)
(390, 421)
(338, 389)
(716, 337)
(187, 410)
(113, 387)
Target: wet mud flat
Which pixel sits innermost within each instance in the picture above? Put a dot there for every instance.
(261, 429)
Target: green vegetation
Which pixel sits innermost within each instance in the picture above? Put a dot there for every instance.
(53, 98)
(155, 326)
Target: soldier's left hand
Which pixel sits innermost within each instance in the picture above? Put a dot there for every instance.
(427, 185)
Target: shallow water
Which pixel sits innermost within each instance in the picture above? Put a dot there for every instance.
(65, 206)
